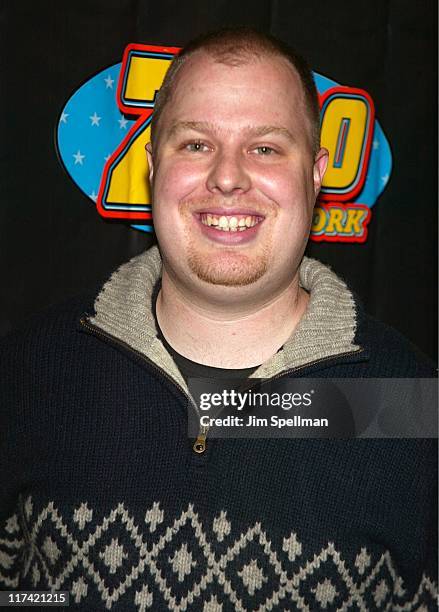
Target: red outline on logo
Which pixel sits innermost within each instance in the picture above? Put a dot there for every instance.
(340, 237)
(350, 195)
(143, 114)
(138, 47)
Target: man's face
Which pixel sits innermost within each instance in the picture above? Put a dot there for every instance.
(234, 177)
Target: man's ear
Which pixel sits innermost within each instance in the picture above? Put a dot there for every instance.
(148, 149)
(320, 165)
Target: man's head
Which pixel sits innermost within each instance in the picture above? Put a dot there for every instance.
(235, 167)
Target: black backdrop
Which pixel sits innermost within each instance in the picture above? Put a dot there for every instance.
(53, 243)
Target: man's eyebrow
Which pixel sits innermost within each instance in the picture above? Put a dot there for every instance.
(265, 130)
(203, 126)
(199, 126)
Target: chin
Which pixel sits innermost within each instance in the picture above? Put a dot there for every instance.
(228, 270)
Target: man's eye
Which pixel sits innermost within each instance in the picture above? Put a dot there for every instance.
(265, 150)
(196, 147)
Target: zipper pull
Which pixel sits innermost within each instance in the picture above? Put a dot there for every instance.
(200, 443)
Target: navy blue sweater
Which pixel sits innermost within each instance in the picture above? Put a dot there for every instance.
(103, 496)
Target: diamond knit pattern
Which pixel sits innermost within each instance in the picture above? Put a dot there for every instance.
(142, 578)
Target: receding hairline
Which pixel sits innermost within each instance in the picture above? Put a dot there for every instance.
(241, 58)
(246, 59)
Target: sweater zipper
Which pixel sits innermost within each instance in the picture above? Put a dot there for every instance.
(334, 358)
(199, 445)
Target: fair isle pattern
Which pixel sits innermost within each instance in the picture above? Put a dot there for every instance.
(379, 581)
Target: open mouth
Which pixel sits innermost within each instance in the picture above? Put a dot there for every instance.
(230, 223)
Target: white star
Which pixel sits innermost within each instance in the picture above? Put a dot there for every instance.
(376, 144)
(107, 157)
(93, 196)
(63, 117)
(385, 178)
(109, 82)
(95, 119)
(123, 123)
(78, 157)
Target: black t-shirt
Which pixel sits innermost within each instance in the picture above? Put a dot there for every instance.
(192, 369)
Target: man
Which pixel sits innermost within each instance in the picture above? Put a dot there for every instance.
(108, 498)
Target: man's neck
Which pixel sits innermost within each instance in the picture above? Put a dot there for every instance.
(223, 339)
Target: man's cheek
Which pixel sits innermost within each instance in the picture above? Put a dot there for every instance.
(276, 185)
(179, 179)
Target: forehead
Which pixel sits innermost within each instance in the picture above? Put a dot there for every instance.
(255, 91)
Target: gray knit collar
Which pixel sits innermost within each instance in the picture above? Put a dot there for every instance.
(123, 309)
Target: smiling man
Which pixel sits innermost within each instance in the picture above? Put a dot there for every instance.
(235, 169)
(108, 498)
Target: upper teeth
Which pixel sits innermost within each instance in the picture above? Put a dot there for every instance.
(232, 224)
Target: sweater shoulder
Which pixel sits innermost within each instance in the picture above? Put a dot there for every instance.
(391, 353)
(43, 332)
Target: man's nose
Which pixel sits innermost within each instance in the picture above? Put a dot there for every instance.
(228, 174)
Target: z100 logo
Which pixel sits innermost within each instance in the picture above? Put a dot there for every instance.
(103, 129)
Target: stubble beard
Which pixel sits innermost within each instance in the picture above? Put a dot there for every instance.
(227, 268)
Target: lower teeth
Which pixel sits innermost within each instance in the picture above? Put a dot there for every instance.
(229, 229)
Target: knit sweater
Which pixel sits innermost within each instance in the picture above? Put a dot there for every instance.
(102, 494)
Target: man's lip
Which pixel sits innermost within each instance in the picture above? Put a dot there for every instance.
(229, 238)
